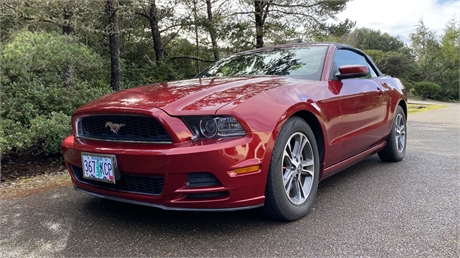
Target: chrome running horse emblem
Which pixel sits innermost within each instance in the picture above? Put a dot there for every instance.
(114, 127)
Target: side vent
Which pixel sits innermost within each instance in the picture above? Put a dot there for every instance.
(207, 195)
(202, 180)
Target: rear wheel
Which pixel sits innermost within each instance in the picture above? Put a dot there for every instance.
(293, 175)
(396, 143)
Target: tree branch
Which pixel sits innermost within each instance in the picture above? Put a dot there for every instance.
(172, 37)
(267, 6)
(143, 15)
(172, 26)
(295, 5)
(243, 13)
(191, 57)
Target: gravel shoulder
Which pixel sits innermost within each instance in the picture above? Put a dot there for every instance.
(24, 176)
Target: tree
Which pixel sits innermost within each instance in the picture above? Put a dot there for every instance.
(448, 78)
(426, 50)
(68, 30)
(298, 17)
(212, 30)
(333, 32)
(396, 64)
(366, 38)
(114, 43)
(61, 14)
(151, 14)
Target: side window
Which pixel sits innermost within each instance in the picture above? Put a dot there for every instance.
(347, 57)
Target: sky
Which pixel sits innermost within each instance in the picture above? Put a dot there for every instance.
(399, 17)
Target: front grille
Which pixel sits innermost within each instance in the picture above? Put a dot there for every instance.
(152, 185)
(127, 128)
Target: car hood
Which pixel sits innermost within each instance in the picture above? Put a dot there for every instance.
(195, 96)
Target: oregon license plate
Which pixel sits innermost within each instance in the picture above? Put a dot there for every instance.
(100, 167)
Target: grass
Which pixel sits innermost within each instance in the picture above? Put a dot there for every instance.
(417, 108)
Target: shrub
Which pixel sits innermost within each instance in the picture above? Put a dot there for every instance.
(35, 107)
(425, 89)
(43, 134)
(409, 85)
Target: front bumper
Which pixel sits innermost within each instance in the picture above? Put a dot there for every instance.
(176, 166)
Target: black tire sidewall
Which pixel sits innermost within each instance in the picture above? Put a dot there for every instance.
(399, 155)
(275, 193)
(390, 152)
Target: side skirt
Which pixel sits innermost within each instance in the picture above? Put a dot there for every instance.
(329, 171)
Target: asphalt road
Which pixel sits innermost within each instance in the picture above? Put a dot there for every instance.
(372, 209)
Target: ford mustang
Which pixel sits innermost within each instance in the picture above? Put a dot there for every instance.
(260, 129)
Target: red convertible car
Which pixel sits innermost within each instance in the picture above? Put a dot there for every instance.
(260, 128)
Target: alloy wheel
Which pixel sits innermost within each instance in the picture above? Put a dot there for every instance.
(400, 133)
(298, 168)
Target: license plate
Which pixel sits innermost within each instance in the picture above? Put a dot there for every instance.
(99, 167)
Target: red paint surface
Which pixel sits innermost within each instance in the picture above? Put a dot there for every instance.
(354, 117)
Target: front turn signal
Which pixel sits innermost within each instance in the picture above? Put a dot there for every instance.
(244, 170)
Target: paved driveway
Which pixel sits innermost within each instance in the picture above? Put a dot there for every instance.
(374, 209)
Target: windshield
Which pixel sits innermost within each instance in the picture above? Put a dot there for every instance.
(303, 62)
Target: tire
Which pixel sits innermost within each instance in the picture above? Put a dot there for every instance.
(395, 149)
(293, 176)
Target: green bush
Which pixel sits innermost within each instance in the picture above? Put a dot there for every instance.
(43, 134)
(425, 89)
(36, 119)
(409, 85)
(35, 107)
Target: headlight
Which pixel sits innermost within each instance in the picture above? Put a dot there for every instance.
(208, 127)
(214, 126)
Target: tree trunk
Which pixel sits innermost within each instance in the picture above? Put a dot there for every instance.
(212, 31)
(156, 36)
(114, 43)
(260, 20)
(68, 30)
(196, 36)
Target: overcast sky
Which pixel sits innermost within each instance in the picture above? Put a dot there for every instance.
(399, 17)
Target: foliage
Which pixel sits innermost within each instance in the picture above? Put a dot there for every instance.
(396, 64)
(43, 56)
(449, 57)
(425, 89)
(297, 19)
(35, 106)
(438, 61)
(365, 38)
(426, 49)
(409, 84)
(43, 133)
(153, 72)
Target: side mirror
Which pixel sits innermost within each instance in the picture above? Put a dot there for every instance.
(352, 71)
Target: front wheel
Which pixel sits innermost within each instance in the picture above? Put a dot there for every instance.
(396, 143)
(293, 175)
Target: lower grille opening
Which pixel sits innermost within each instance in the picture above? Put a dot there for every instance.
(152, 185)
(207, 195)
(202, 180)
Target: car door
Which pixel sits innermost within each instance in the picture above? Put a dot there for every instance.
(363, 105)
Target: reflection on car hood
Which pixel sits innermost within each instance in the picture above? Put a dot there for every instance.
(193, 96)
